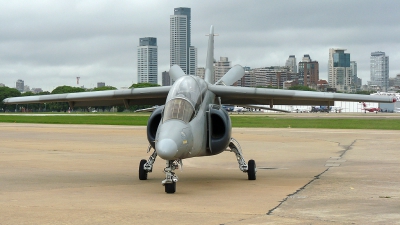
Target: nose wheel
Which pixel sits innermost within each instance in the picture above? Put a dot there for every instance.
(170, 188)
(170, 178)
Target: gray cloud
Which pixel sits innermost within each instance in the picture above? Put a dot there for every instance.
(49, 43)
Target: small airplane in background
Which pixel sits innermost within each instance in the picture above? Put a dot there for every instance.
(191, 121)
(299, 110)
(228, 108)
(240, 109)
(337, 109)
(326, 109)
(370, 109)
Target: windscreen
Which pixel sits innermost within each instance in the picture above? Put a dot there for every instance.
(184, 99)
(178, 108)
(186, 87)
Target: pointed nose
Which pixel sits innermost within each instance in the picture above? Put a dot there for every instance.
(166, 149)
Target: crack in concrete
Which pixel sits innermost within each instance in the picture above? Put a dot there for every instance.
(346, 148)
(296, 192)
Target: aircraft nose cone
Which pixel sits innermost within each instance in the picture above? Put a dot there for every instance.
(166, 149)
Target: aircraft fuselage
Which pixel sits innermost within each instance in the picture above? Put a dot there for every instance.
(181, 135)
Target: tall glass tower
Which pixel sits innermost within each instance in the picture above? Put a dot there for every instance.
(181, 51)
(339, 70)
(147, 60)
(379, 68)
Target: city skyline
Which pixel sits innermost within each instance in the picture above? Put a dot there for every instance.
(48, 44)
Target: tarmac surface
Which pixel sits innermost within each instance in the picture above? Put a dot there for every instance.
(82, 174)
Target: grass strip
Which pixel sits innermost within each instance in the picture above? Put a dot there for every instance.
(79, 119)
(237, 121)
(329, 123)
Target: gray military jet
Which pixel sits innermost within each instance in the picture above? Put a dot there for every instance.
(192, 121)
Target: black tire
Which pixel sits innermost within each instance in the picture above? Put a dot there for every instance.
(251, 172)
(142, 171)
(170, 188)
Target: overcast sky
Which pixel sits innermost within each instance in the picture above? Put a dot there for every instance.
(49, 43)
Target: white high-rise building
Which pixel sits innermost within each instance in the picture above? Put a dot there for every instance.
(379, 68)
(147, 63)
(181, 51)
(339, 70)
(201, 72)
(291, 63)
(306, 58)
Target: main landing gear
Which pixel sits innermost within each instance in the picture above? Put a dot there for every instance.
(146, 166)
(169, 183)
(249, 168)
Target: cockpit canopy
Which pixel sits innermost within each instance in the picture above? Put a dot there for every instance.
(184, 99)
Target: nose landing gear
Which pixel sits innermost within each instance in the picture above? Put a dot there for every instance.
(170, 177)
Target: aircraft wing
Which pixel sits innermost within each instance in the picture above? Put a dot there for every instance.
(127, 97)
(264, 96)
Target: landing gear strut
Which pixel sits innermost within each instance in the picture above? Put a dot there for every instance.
(249, 168)
(170, 177)
(146, 166)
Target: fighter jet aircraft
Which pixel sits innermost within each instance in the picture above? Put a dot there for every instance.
(192, 122)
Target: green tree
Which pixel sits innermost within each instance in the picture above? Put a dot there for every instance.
(105, 88)
(143, 85)
(6, 92)
(67, 89)
(28, 93)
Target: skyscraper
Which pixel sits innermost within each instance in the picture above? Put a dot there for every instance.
(192, 60)
(147, 60)
(308, 72)
(19, 85)
(181, 51)
(339, 70)
(166, 80)
(354, 77)
(291, 63)
(379, 68)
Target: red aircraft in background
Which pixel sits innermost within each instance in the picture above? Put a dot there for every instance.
(370, 109)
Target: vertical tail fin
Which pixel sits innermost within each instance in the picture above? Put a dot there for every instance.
(209, 73)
